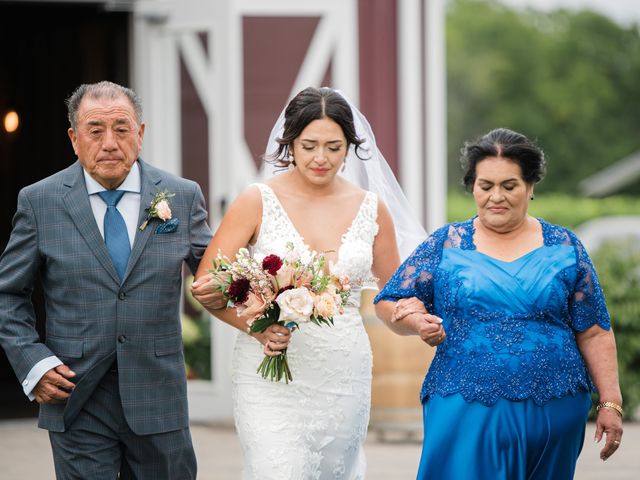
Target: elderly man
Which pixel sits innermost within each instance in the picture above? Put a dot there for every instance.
(108, 237)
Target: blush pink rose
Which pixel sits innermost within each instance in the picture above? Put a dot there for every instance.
(325, 305)
(163, 210)
(284, 277)
(333, 291)
(253, 307)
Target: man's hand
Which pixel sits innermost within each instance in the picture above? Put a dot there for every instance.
(54, 386)
(204, 290)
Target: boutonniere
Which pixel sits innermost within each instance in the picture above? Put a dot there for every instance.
(158, 208)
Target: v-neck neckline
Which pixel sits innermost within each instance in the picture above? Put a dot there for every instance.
(510, 262)
(472, 243)
(297, 232)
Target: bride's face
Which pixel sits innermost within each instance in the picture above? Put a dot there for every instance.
(320, 151)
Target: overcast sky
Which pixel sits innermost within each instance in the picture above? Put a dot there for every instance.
(622, 11)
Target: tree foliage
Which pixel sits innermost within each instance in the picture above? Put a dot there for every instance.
(568, 79)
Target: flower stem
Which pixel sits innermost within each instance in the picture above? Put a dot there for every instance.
(275, 368)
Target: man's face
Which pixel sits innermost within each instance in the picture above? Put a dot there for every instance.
(107, 139)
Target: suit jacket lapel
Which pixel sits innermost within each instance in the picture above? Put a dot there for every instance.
(79, 208)
(149, 187)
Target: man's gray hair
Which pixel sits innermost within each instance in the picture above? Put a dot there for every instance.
(104, 89)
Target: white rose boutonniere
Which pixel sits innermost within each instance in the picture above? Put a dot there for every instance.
(158, 208)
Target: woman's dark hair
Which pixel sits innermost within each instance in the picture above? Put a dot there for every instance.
(309, 105)
(503, 143)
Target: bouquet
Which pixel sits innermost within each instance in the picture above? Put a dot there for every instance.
(286, 290)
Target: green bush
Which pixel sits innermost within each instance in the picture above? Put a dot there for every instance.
(618, 267)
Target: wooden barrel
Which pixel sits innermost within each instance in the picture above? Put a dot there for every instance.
(399, 366)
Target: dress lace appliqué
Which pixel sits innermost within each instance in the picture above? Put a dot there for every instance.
(314, 427)
(510, 325)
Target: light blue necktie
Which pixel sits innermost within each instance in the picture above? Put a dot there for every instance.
(115, 231)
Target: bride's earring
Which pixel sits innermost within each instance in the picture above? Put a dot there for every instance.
(292, 162)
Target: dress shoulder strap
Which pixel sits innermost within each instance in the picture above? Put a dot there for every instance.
(365, 224)
(275, 223)
(265, 190)
(270, 203)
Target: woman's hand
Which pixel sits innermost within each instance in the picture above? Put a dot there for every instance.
(427, 326)
(205, 291)
(609, 424)
(598, 348)
(274, 339)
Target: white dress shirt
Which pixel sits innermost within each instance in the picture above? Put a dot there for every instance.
(129, 208)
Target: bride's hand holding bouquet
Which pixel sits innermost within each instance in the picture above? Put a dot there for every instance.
(275, 338)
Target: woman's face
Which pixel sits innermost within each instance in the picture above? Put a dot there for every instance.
(501, 195)
(319, 151)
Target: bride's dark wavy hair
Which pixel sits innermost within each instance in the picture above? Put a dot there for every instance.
(314, 104)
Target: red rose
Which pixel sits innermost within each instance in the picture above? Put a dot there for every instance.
(271, 264)
(239, 290)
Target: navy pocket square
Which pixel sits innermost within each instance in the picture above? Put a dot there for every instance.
(169, 226)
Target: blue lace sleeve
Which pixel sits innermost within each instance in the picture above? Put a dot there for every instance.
(587, 306)
(414, 278)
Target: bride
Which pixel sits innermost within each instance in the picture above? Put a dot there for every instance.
(314, 427)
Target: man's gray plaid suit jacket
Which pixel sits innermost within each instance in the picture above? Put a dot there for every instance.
(91, 318)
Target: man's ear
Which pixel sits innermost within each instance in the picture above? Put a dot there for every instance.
(72, 136)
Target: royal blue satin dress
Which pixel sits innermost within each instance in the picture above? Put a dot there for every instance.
(507, 394)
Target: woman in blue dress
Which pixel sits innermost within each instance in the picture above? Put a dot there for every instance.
(522, 330)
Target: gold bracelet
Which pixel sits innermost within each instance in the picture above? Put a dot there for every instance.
(610, 405)
(249, 332)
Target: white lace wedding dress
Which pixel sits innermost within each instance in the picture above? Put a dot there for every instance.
(313, 427)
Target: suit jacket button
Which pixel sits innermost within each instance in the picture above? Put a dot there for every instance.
(122, 338)
(121, 295)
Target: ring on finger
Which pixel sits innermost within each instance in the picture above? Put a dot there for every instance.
(616, 442)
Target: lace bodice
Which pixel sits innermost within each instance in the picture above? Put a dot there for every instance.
(314, 427)
(355, 255)
(510, 325)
